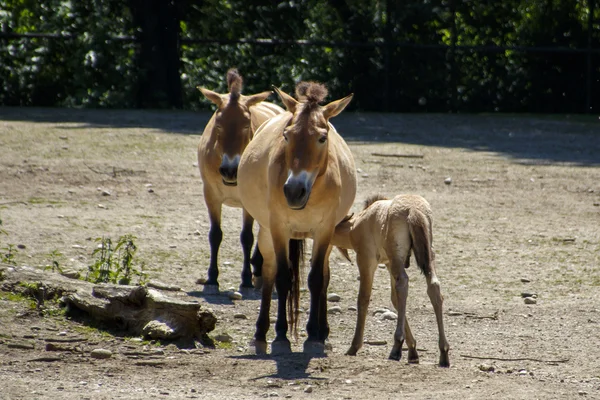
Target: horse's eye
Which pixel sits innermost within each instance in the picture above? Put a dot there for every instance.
(323, 139)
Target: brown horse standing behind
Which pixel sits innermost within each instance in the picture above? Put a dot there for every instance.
(385, 232)
(225, 137)
(297, 180)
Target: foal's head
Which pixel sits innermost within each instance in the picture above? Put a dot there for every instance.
(306, 139)
(233, 125)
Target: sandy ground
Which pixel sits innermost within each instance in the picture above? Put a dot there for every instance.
(521, 214)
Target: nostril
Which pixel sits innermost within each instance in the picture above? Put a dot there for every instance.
(302, 193)
(223, 171)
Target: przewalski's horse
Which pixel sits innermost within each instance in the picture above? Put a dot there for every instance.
(225, 137)
(385, 232)
(298, 181)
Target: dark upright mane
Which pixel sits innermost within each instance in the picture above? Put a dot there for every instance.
(372, 199)
(234, 82)
(311, 92)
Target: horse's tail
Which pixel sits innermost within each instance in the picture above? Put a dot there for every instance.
(419, 226)
(296, 260)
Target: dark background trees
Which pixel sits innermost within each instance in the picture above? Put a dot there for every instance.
(415, 55)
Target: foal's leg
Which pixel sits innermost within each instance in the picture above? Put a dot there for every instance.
(367, 265)
(435, 295)
(399, 283)
(269, 272)
(215, 234)
(247, 239)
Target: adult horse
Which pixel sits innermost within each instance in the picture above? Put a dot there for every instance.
(298, 180)
(223, 141)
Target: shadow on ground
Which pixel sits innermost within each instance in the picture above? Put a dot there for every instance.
(527, 139)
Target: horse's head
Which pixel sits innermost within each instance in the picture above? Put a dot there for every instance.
(233, 124)
(306, 139)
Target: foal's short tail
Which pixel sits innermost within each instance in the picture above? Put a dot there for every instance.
(420, 233)
(296, 251)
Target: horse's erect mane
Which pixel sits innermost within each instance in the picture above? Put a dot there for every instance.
(372, 199)
(311, 92)
(234, 81)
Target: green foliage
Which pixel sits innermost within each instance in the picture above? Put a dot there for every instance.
(403, 67)
(114, 264)
(8, 254)
(54, 265)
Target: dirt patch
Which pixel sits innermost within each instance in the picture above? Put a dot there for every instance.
(520, 213)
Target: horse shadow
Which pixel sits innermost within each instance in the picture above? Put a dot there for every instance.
(291, 366)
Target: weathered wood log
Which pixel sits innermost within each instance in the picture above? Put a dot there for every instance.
(138, 310)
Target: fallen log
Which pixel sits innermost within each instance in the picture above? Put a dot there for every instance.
(137, 310)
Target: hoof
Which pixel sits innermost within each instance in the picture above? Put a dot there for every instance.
(258, 282)
(260, 347)
(395, 354)
(444, 361)
(281, 347)
(413, 356)
(314, 347)
(210, 289)
(351, 351)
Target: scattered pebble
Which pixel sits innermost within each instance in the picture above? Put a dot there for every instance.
(102, 206)
(201, 281)
(308, 389)
(197, 233)
(348, 381)
(522, 372)
(448, 181)
(352, 308)
(380, 311)
(101, 353)
(376, 342)
(63, 333)
(150, 190)
(528, 294)
(525, 280)
(240, 316)
(235, 296)
(21, 246)
(487, 368)
(172, 246)
(70, 273)
(333, 297)
(530, 300)
(223, 337)
(389, 315)
(334, 310)
(106, 193)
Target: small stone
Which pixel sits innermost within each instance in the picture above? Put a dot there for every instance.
(348, 381)
(70, 273)
(102, 206)
(334, 310)
(487, 368)
(582, 393)
(163, 286)
(235, 296)
(333, 297)
(448, 181)
(528, 294)
(308, 389)
(150, 190)
(380, 311)
(101, 354)
(63, 333)
(201, 281)
(240, 316)
(365, 175)
(522, 372)
(172, 246)
(197, 233)
(389, 315)
(106, 193)
(352, 308)
(158, 330)
(136, 339)
(525, 280)
(78, 246)
(530, 300)
(223, 337)
(21, 246)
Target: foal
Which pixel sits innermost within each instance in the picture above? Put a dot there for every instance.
(386, 231)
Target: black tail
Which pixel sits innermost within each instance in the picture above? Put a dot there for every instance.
(420, 234)
(296, 260)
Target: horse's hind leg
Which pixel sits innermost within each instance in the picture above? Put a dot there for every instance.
(435, 295)
(215, 235)
(257, 261)
(247, 239)
(399, 278)
(367, 265)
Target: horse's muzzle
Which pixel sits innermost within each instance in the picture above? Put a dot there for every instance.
(297, 190)
(229, 169)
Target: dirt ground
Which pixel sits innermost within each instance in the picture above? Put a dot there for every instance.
(520, 213)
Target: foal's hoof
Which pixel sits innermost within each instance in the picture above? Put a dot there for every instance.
(395, 354)
(413, 356)
(351, 351)
(281, 347)
(444, 360)
(314, 347)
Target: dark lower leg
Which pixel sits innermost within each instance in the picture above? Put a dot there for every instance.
(247, 239)
(215, 236)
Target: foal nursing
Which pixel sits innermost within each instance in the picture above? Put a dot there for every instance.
(385, 232)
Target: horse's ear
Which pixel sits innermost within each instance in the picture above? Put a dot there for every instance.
(212, 96)
(257, 98)
(335, 107)
(288, 101)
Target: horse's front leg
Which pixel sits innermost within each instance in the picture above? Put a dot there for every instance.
(269, 273)
(283, 284)
(367, 264)
(215, 235)
(247, 239)
(317, 327)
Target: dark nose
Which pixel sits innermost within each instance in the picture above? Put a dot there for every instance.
(228, 172)
(295, 193)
